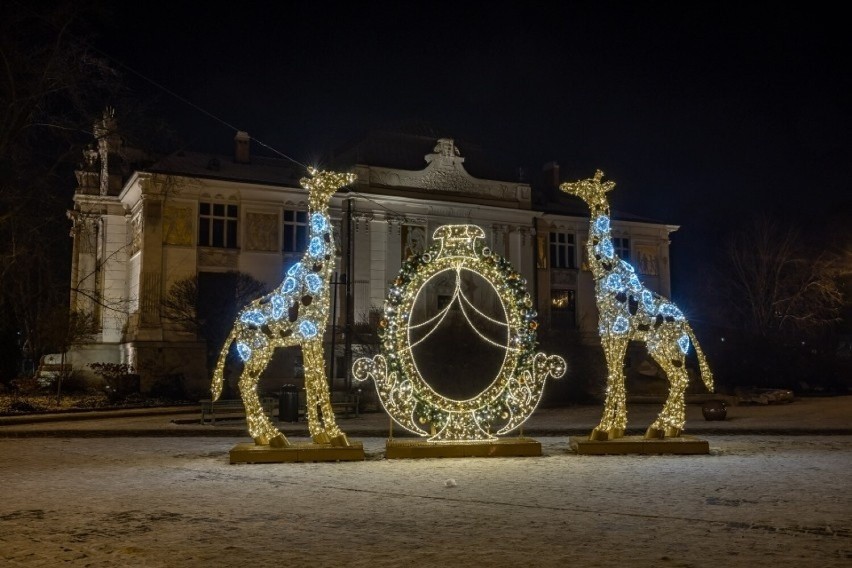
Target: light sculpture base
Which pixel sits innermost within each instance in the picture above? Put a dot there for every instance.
(502, 448)
(682, 445)
(297, 452)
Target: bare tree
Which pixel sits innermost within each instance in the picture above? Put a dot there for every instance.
(775, 285)
(776, 302)
(68, 328)
(51, 85)
(180, 305)
(208, 306)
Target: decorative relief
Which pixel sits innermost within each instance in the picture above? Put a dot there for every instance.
(150, 297)
(84, 231)
(646, 260)
(447, 178)
(136, 233)
(541, 251)
(336, 232)
(177, 225)
(262, 231)
(360, 219)
(445, 172)
(413, 240)
(451, 212)
(445, 148)
(218, 258)
(563, 277)
(394, 221)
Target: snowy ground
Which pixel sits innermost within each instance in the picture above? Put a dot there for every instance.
(755, 501)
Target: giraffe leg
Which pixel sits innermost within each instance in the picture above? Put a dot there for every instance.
(670, 421)
(321, 421)
(614, 419)
(259, 426)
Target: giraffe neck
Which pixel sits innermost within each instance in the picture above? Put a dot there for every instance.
(599, 248)
(320, 232)
(319, 225)
(312, 274)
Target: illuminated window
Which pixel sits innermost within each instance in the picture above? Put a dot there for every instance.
(622, 247)
(562, 308)
(295, 230)
(217, 225)
(562, 250)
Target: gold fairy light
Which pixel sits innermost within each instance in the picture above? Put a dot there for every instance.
(295, 313)
(515, 391)
(631, 312)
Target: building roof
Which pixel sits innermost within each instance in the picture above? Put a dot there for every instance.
(260, 169)
(406, 149)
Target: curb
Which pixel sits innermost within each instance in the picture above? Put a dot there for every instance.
(355, 433)
(101, 414)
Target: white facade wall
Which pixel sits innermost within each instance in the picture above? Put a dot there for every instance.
(387, 201)
(377, 258)
(134, 266)
(113, 260)
(362, 286)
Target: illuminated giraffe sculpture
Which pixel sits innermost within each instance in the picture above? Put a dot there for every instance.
(295, 313)
(631, 312)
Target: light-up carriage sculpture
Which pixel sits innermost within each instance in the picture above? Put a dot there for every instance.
(517, 388)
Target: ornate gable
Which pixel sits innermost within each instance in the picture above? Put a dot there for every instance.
(445, 173)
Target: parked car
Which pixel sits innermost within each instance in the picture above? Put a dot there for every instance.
(764, 396)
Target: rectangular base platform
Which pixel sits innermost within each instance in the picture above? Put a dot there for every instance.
(298, 452)
(503, 447)
(683, 445)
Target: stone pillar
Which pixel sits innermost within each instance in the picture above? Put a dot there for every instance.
(151, 255)
(84, 275)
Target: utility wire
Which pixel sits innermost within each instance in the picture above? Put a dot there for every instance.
(207, 113)
(162, 87)
(192, 104)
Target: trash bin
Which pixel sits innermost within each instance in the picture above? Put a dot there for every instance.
(288, 404)
(714, 410)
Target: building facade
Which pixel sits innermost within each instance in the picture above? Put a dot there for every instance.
(140, 230)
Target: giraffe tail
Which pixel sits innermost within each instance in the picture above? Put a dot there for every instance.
(219, 372)
(703, 367)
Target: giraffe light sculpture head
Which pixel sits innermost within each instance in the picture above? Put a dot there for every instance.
(322, 185)
(593, 191)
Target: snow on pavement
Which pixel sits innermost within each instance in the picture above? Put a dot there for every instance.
(755, 501)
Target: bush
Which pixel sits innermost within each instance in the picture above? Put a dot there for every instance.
(119, 380)
(27, 384)
(21, 406)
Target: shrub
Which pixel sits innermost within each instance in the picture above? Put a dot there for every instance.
(119, 380)
(26, 384)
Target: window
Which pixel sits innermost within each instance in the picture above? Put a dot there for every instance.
(217, 225)
(295, 230)
(563, 305)
(622, 247)
(562, 250)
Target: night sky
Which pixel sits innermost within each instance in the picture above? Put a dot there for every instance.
(702, 112)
